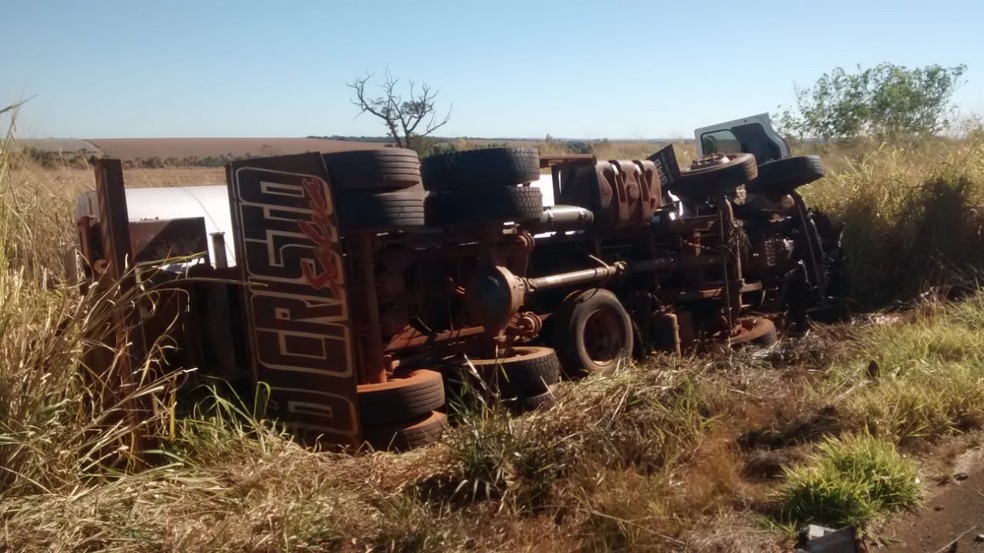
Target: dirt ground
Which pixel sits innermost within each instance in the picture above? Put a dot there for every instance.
(952, 516)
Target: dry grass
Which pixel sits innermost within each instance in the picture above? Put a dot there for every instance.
(649, 458)
(914, 216)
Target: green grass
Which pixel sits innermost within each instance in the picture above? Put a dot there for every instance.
(928, 380)
(850, 480)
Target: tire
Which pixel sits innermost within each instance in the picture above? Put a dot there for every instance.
(782, 176)
(407, 435)
(757, 332)
(383, 170)
(592, 333)
(381, 212)
(484, 205)
(710, 178)
(539, 402)
(476, 168)
(526, 373)
(400, 399)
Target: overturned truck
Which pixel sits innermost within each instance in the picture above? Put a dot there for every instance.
(362, 289)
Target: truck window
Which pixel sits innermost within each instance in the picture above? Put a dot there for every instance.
(720, 142)
(750, 138)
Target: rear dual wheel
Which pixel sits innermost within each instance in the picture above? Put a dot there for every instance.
(402, 412)
(484, 205)
(407, 435)
(754, 331)
(382, 170)
(529, 371)
(480, 168)
(522, 381)
(381, 190)
(377, 190)
(381, 212)
(482, 187)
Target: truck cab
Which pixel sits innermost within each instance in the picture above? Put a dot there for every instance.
(750, 135)
(795, 249)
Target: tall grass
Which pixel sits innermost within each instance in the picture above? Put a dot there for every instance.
(64, 419)
(914, 215)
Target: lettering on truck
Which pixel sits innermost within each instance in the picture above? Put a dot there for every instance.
(296, 300)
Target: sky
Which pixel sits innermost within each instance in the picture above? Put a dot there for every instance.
(618, 69)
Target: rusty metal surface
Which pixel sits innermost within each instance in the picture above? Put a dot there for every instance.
(366, 320)
(494, 295)
(620, 194)
(296, 302)
(116, 252)
(414, 338)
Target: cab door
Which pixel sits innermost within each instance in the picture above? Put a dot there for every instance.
(752, 135)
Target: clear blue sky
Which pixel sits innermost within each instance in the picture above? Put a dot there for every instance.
(617, 69)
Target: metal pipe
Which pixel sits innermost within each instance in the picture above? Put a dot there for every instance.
(563, 218)
(218, 244)
(601, 274)
(572, 278)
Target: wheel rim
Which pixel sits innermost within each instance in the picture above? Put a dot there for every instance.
(750, 331)
(604, 337)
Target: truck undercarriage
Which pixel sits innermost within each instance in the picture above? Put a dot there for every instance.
(360, 289)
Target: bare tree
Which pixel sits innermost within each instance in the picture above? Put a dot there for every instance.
(403, 117)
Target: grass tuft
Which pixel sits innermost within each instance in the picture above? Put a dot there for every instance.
(851, 480)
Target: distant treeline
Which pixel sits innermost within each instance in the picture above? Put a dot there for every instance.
(370, 139)
(84, 159)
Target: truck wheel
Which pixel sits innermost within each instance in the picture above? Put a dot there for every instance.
(782, 176)
(711, 176)
(400, 399)
(484, 205)
(475, 168)
(528, 372)
(755, 331)
(382, 170)
(384, 212)
(539, 402)
(407, 435)
(592, 333)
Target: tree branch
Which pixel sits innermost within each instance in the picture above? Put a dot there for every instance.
(402, 117)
